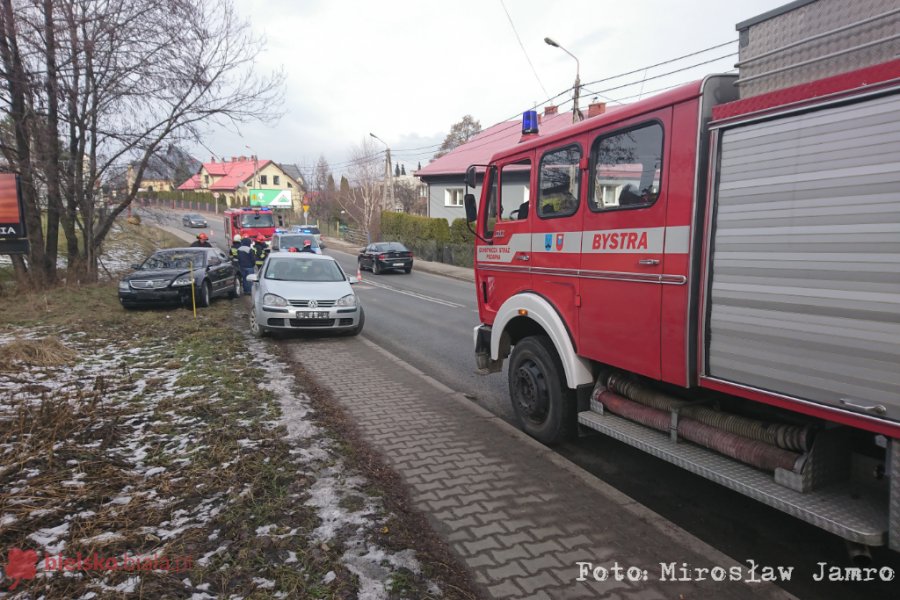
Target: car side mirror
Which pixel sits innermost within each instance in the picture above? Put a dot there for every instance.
(471, 210)
(252, 278)
(352, 280)
(135, 266)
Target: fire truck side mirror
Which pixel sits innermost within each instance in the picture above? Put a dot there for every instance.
(471, 210)
(471, 176)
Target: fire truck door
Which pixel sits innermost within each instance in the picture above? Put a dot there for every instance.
(505, 266)
(556, 229)
(622, 248)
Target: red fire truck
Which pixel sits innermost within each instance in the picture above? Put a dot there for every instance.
(249, 222)
(712, 275)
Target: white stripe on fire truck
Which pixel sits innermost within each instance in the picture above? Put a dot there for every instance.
(652, 240)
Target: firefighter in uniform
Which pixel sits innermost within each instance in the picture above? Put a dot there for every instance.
(202, 241)
(235, 244)
(307, 247)
(260, 250)
(246, 262)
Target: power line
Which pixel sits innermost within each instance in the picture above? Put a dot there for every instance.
(522, 46)
(510, 123)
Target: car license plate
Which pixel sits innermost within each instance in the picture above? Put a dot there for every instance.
(308, 314)
(398, 264)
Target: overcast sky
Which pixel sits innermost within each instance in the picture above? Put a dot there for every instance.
(407, 70)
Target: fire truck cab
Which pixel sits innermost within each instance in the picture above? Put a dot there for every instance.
(249, 222)
(713, 280)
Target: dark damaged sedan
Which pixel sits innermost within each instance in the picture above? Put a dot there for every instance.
(167, 277)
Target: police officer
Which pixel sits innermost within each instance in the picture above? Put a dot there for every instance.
(202, 241)
(261, 250)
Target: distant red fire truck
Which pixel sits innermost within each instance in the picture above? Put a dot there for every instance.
(714, 277)
(249, 222)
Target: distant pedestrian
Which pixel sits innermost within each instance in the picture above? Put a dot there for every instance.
(202, 241)
(307, 247)
(247, 262)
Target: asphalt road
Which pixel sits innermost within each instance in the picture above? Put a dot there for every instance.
(427, 320)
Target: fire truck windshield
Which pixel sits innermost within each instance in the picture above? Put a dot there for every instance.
(263, 219)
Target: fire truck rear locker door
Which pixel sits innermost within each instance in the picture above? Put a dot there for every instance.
(805, 275)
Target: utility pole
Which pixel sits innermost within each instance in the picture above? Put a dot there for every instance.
(388, 194)
(576, 114)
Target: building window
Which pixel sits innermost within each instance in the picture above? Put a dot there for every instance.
(626, 168)
(206, 179)
(289, 184)
(276, 180)
(263, 180)
(454, 196)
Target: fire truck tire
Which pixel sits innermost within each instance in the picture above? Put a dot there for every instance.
(544, 406)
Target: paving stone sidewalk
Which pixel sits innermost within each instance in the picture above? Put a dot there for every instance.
(520, 516)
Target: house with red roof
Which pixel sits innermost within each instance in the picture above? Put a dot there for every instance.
(444, 176)
(233, 179)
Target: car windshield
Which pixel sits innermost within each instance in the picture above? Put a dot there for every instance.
(296, 241)
(261, 219)
(175, 259)
(196, 217)
(390, 247)
(299, 269)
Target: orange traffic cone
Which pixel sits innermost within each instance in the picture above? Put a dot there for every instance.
(358, 273)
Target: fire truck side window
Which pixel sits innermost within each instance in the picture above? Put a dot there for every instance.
(625, 168)
(491, 214)
(515, 184)
(560, 182)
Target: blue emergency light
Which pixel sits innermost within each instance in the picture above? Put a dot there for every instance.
(529, 122)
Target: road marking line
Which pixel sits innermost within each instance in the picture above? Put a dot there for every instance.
(414, 294)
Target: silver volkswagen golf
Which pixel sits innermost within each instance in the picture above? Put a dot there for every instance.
(302, 291)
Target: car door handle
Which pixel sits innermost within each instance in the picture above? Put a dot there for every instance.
(648, 261)
(523, 257)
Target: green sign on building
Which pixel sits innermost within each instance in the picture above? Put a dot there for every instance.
(271, 198)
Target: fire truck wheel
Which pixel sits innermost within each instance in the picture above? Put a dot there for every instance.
(544, 406)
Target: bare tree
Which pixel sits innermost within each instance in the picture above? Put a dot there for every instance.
(460, 133)
(366, 178)
(407, 195)
(93, 86)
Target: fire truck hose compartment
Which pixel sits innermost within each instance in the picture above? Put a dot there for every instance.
(787, 437)
(752, 452)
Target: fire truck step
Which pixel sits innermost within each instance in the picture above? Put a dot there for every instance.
(854, 512)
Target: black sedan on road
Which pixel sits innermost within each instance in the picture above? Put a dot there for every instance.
(386, 256)
(192, 220)
(168, 276)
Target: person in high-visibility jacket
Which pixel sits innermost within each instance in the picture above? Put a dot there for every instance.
(233, 251)
(261, 250)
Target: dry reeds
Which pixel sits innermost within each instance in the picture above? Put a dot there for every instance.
(44, 352)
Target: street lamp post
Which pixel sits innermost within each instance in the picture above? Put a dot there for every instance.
(576, 114)
(388, 182)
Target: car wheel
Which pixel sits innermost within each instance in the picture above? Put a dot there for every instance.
(255, 328)
(204, 295)
(236, 288)
(544, 406)
(359, 325)
(408, 269)
(376, 267)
